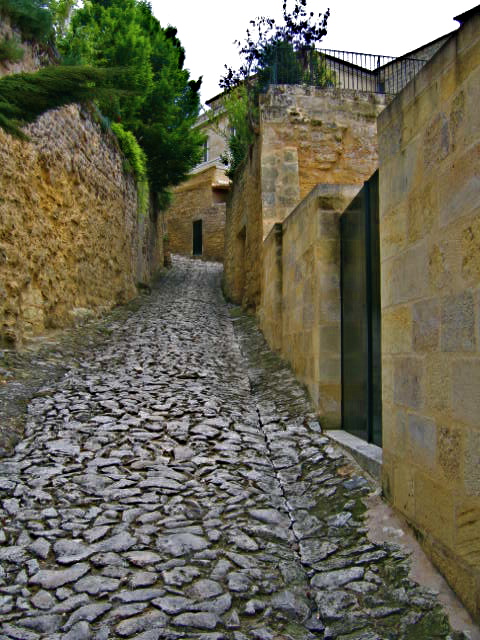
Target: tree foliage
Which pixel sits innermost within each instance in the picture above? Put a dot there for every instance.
(238, 135)
(165, 102)
(25, 96)
(61, 11)
(301, 31)
(10, 49)
(271, 54)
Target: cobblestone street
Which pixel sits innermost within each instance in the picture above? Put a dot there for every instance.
(176, 484)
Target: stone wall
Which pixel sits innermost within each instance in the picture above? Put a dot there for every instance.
(300, 313)
(70, 237)
(201, 197)
(311, 136)
(307, 136)
(429, 152)
(243, 263)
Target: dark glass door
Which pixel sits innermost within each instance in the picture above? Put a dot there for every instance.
(360, 276)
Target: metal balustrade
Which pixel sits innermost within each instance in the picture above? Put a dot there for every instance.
(328, 68)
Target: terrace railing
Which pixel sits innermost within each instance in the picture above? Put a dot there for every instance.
(344, 70)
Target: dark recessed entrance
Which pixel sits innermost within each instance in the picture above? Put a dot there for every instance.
(197, 238)
(361, 358)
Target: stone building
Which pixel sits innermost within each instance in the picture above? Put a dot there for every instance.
(429, 159)
(287, 258)
(196, 218)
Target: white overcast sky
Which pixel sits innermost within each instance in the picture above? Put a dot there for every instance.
(207, 28)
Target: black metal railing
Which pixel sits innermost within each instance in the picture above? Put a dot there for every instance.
(341, 69)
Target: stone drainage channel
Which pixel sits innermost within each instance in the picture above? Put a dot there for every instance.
(176, 484)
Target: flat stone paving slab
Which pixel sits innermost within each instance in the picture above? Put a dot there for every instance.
(174, 483)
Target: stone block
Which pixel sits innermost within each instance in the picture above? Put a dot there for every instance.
(465, 391)
(436, 141)
(408, 382)
(393, 231)
(467, 535)
(387, 379)
(459, 185)
(422, 211)
(329, 369)
(404, 484)
(458, 323)
(450, 451)
(422, 437)
(426, 324)
(410, 274)
(434, 509)
(439, 276)
(462, 578)
(330, 339)
(471, 466)
(470, 244)
(397, 330)
(438, 382)
(328, 225)
(329, 311)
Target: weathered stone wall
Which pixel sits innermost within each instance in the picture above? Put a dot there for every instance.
(70, 237)
(307, 136)
(243, 263)
(311, 136)
(429, 142)
(195, 200)
(300, 313)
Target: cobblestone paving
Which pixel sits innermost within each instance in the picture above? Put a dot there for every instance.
(175, 484)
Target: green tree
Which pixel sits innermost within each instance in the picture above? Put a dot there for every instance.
(164, 104)
(271, 54)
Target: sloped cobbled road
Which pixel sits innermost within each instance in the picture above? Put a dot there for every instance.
(175, 484)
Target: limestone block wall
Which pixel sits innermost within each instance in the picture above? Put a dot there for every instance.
(243, 265)
(271, 307)
(307, 136)
(429, 157)
(195, 200)
(70, 236)
(310, 136)
(300, 313)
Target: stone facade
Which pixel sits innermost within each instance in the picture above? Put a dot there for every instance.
(307, 136)
(300, 310)
(429, 157)
(200, 198)
(71, 240)
(243, 237)
(311, 135)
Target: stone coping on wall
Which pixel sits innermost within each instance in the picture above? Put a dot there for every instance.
(368, 456)
(203, 166)
(332, 197)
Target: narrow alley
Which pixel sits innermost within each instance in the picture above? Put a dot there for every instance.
(176, 484)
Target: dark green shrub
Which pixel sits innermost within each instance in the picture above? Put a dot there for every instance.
(10, 50)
